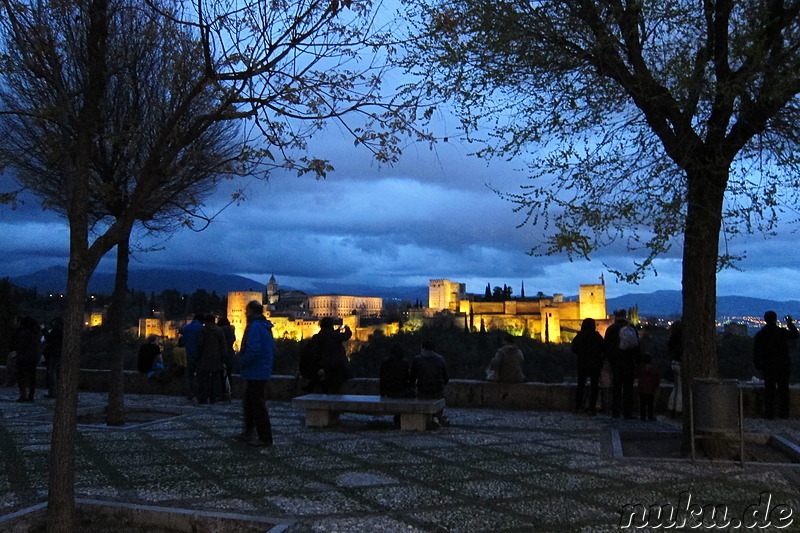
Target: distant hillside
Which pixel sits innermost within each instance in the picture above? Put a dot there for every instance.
(659, 304)
(54, 279)
(668, 303)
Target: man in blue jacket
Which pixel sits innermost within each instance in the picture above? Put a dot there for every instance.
(255, 362)
(191, 334)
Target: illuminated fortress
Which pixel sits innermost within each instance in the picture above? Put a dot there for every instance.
(295, 314)
(551, 318)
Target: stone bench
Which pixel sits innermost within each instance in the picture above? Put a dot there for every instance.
(323, 409)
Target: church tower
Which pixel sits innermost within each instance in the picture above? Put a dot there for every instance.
(272, 292)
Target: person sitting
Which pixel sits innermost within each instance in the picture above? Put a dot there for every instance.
(429, 376)
(506, 365)
(149, 356)
(395, 378)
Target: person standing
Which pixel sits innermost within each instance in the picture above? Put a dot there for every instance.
(429, 376)
(53, 339)
(589, 347)
(230, 355)
(622, 349)
(648, 378)
(211, 360)
(326, 352)
(506, 365)
(255, 362)
(191, 333)
(675, 348)
(28, 350)
(771, 357)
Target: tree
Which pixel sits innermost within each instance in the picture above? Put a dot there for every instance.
(651, 122)
(171, 304)
(286, 68)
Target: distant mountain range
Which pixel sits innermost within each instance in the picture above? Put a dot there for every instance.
(662, 304)
(54, 279)
(665, 304)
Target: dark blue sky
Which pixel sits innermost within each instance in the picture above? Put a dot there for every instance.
(430, 216)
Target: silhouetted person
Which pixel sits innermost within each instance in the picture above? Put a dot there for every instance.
(506, 365)
(28, 350)
(589, 347)
(53, 339)
(771, 357)
(395, 378)
(230, 355)
(326, 352)
(255, 362)
(648, 379)
(190, 333)
(149, 353)
(675, 348)
(211, 351)
(622, 349)
(429, 376)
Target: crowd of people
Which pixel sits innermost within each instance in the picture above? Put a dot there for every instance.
(30, 343)
(205, 359)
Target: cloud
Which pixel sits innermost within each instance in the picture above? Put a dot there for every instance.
(431, 216)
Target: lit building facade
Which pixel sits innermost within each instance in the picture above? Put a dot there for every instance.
(445, 294)
(339, 305)
(550, 318)
(237, 302)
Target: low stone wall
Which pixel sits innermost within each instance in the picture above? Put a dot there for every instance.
(459, 392)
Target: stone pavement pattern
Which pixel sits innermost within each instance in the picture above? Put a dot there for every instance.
(498, 471)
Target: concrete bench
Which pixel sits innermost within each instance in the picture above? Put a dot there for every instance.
(323, 409)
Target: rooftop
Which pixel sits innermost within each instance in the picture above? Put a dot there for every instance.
(492, 470)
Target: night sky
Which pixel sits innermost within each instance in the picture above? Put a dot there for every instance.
(430, 216)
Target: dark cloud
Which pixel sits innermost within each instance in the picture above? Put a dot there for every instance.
(431, 216)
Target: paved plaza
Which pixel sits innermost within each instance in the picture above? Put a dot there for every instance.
(492, 470)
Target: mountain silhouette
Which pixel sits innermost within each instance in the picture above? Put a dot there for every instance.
(662, 304)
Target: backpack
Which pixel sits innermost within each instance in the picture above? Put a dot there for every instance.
(628, 339)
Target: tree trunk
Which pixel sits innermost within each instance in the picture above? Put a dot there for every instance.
(61, 498)
(82, 263)
(706, 192)
(115, 412)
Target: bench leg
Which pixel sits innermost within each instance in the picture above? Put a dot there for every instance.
(320, 418)
(413, 421)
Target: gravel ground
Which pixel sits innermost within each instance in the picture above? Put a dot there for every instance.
(493, 471)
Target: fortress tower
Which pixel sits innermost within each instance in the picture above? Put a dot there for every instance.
(237, 301)
(593, 301)
(445, 294)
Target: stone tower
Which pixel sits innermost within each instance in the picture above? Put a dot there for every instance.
(272, 292)
(593, 302)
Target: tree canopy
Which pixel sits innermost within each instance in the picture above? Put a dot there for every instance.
(84, 74)
(612, 103)
(645, 121)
